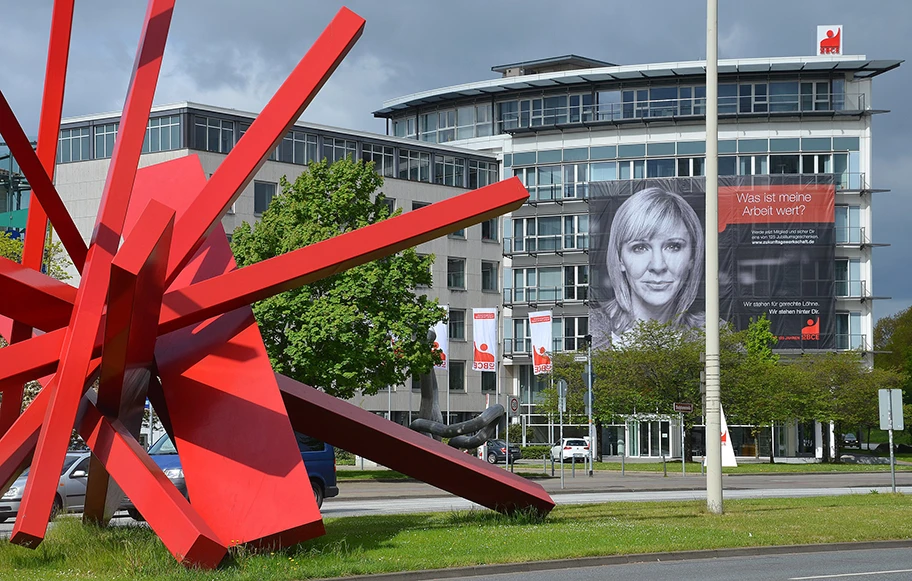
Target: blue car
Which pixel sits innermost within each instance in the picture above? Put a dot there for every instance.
(319, 459)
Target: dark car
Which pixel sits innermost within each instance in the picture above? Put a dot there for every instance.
(319, 459)
(496, 452)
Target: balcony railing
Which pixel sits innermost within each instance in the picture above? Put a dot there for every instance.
(852, 236)
(545, 244)
(536, 295)
(524, 346)
(680, 107)
(852, 341)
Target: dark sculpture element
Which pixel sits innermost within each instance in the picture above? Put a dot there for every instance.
(465, 435)
(430, 402)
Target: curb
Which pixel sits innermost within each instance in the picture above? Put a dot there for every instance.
(499, 569)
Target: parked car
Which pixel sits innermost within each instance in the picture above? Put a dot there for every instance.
(496, 451)
(71, 490)
(319, 459)
(849, 440)
(570, 448)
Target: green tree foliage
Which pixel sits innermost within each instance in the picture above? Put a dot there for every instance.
(361, 329)
(893, 343)
(55, 257)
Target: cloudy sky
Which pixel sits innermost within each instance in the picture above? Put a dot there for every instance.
(234, 53)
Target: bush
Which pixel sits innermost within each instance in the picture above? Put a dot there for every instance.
(344, 458)
(535, 452)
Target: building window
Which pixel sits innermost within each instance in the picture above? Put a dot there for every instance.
(481, 174)
(297, 147)
(162, 134)
(488, 381)
(263, 192)
(390, 204)
(335, 149)
(521, 340)
(404, 127)
(456, 325)
(489, 229)
(104, 140)
(848, 332)
(419, 205)
(414, 165)
(212, 134)
(381, 155)
(848, 277)
(576, 282)
(449, 170)
(456, 273)
(780, 164)
(575, 331)
(457, 374)
(488, 276)
(534, 285)
(74, 145)
(848, 225)
(576, 232)
(576, 180)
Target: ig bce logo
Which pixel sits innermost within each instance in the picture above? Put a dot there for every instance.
(829, 39)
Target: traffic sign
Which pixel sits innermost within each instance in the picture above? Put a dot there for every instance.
(686, 408)
(514, 406)
(580, 358)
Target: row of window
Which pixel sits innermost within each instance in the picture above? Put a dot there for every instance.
(475, 120)
(550, 183)
(298, 147)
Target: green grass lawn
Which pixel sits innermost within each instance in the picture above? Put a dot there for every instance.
(376, 544)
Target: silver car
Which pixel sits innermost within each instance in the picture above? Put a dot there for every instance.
(71, 490)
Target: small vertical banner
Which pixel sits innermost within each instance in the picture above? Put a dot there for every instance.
(728, 451)
(484, 336)
(442, 342)
(540, 331)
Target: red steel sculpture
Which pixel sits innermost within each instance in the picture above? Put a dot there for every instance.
(165, 315)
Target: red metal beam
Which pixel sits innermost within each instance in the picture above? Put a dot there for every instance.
(366, 434)
(134, 306)
(31, 523)
(267, 130)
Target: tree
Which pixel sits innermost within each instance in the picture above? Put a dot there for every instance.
(655, 366)
(55, 257)
(893, 346)
(756, 389)
(361, 329)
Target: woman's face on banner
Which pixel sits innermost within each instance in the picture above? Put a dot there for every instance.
(657, 266)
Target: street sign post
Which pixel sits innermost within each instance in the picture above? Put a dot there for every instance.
(683, 408)
(891, 417)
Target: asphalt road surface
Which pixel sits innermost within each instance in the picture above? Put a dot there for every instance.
(844, 565)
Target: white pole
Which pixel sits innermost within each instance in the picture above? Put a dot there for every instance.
(448, 393)
(561, 402)
(589, 406)
(892, 459)
(713, 401)
(683, 465)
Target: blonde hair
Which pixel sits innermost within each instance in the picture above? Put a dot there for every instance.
(642, 216)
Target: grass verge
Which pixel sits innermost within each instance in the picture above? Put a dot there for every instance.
(378, 544)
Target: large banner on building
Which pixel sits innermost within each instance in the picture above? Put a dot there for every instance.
(484, 336)
(540, 333)
(776, 255)
(442, 339)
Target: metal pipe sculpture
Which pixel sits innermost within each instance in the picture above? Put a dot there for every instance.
(468, 434)
(169, 304)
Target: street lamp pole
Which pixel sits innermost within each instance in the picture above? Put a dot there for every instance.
(713, 406)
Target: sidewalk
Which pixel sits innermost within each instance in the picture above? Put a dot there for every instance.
(610, 481)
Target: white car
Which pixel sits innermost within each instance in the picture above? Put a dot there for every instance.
(570, 448)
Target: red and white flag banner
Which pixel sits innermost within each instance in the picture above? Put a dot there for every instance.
(442, 342)
(541, 334)
(484, 336)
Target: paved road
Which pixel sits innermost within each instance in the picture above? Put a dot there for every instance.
(844, 565)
